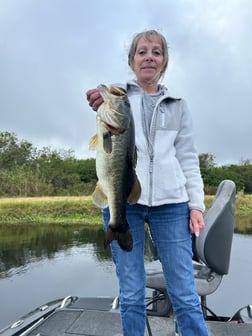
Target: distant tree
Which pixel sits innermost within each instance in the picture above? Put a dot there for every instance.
(86, 170)
(246, 171)
(206, 161)
(28, 171)
(14, 152)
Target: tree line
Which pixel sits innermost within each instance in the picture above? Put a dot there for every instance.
(28, 171)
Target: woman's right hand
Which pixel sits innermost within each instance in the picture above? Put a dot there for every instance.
(94, 98)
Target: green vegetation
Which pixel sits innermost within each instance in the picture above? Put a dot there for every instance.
(30, 177)
(243, 203)
(75, 210)
(212, 174)
(26, 171)
(57, 210)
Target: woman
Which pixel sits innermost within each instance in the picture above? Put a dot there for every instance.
(172, 198)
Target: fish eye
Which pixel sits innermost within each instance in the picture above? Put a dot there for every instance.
(126, 102)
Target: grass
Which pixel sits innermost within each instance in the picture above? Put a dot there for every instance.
(243, 203)
(58, 210)
(72, 210)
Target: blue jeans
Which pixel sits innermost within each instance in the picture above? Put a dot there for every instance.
(169, 226)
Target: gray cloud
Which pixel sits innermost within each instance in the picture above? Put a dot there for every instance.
(53, 51)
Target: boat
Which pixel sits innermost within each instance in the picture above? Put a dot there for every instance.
(100, 316)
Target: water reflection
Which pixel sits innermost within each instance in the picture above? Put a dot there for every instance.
(22, 245)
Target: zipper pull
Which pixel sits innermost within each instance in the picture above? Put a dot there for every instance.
(151, 164)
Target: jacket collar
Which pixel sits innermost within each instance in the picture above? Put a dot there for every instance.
(132, 85)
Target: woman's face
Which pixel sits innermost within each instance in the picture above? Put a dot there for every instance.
(148, 60)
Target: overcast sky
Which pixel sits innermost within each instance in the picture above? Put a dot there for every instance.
(52, 51)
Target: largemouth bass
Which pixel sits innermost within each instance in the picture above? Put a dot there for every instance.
(115, 163)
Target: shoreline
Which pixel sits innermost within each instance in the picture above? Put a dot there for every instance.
(75, 209)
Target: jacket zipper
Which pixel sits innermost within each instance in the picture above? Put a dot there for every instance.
(149, 136)
(151, 146)
(151, 179)
(151, 153)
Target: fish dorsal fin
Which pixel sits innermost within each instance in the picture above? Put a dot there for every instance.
(107, 142)
(135, 190)
(93, 142)
(99, 197)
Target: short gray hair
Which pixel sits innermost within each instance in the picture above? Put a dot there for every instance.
(148, 34)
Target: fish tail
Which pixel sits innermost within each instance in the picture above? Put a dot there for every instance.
(122, 234)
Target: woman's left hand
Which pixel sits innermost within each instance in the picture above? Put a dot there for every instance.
(196, 221)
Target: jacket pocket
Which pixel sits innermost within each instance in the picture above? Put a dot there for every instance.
(168, 181)
(167, 119)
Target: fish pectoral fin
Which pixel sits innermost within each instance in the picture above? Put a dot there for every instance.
(93, 142)
(107, 142)
(99, 197)
(135, 190)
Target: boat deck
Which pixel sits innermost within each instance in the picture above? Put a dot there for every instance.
(98, 323)
(84, 318)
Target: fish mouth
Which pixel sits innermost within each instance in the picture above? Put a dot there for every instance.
(117, 91)
(114, 90)
(112, 113)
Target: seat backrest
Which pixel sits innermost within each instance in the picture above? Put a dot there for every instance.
(213, 246)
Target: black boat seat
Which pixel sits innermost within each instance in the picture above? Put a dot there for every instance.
(212, 248)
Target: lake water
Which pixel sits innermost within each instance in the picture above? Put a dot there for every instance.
(42, 263)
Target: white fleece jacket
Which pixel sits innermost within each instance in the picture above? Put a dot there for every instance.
(167, 165)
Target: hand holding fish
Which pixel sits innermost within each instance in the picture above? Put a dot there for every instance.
(94, 98)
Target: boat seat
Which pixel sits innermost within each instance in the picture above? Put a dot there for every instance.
(212, 249)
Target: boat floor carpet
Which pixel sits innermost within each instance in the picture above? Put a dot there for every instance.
(103, 323)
